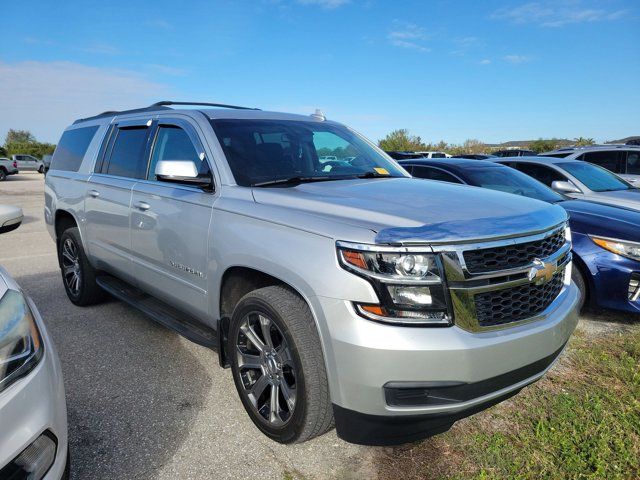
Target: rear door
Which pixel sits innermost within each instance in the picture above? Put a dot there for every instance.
(25, 162)
(122, 162)
(171, 222)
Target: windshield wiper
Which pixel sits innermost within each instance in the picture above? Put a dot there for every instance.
(293, 181)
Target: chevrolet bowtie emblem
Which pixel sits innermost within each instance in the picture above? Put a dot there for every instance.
(542, 272)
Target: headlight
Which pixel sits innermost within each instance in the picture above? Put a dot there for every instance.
(20, 343)
(621, 247)
(409, 284)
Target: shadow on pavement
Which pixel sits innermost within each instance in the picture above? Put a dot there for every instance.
(133, 389)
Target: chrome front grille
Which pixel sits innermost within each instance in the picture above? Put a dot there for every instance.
(484, 260)
(518, 303)
(517, 280)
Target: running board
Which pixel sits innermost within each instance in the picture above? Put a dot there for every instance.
(183, 323)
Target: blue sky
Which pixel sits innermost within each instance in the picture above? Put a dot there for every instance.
(451, 70)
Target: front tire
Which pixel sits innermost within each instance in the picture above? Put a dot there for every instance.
(78, 276)
(278, 365)
(3, 174)
(41, 169)
(578, 279)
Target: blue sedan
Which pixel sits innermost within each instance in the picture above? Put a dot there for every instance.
(606, 239)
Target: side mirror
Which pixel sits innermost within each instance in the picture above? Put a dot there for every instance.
(10, 218)
(181, 171)
(564, 187)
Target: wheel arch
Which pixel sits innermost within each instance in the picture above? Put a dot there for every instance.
(235, 283)
(587, 277)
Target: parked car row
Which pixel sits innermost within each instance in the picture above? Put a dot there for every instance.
(13, 165)
(339, 291)
(606, 238)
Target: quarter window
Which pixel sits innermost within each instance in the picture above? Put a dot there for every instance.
(127, 154)
(71, 149)
(173, 143)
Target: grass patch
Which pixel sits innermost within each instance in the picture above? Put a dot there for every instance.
(581, 422)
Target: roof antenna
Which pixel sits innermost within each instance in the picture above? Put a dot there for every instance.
(319, 115)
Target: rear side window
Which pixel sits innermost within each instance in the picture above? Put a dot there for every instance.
(433, 174)
(71, 149)
(611, 160)
(127, 157)
(541, 173)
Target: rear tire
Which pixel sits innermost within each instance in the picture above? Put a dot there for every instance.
(78, 276)
(274, 346)
(41, 169)
(578, 279)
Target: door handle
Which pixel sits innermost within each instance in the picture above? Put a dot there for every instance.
(94, 193)
(144, 206)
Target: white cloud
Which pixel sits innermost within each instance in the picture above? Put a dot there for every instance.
(45, 97)
(484, 61)
(408, 35)
(556, 13)
(325, 3)
(516, 58)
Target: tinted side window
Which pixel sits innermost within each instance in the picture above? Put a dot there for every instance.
(610, 160)
(127, 155)
(541, 173)
(633, 163)
(433, 174)
(173, 143)
(438, 155)
(71, 148)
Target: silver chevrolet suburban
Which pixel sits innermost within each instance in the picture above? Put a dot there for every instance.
(340, 292)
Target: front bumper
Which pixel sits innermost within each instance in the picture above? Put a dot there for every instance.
(34, 405)
(610, 277)
(363, 357)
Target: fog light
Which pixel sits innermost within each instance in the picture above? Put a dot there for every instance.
(634, 287)
(402, 295)
(34, 462)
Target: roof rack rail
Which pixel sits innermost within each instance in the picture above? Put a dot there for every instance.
(204, 104)
(110, 113)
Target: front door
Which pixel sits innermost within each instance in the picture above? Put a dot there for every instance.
(108, 198)
(170, 223)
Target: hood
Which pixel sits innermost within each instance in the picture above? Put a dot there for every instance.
(625, 198)
(592, 218)
(408, 210)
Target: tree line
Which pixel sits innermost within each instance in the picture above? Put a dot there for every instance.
(24, 142)
(403, 141)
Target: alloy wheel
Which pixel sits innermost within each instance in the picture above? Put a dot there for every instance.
(71, 266)
(267, 369)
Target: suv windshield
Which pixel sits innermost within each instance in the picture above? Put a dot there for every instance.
(595, 178)
(268, 151)
(510, 180)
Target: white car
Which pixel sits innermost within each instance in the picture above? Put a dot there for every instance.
(434, 154)
(33, 410)
(623, 160)
(28, 163)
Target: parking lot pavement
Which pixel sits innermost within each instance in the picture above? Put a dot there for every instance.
(144, 402)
